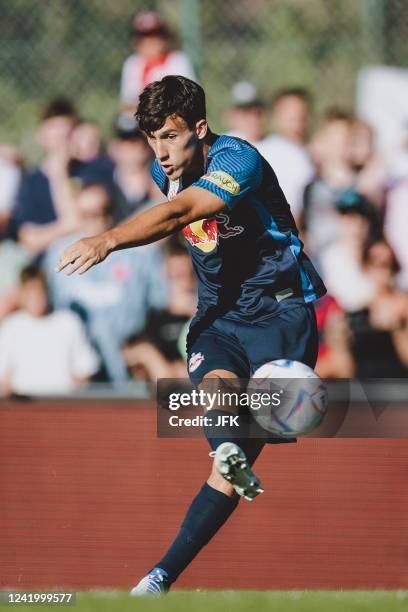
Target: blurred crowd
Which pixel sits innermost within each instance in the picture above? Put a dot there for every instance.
(127, 318)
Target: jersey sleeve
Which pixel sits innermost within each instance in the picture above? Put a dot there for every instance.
(159, 177)
(232, 174)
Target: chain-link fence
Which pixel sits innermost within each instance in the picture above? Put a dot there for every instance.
(77, 47)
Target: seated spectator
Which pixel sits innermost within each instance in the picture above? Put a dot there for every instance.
(284, 150)
(154, 57)
(379, 331)
(341, 263)
(44, 209)
(43, 352)
(133, 187)
(112, 298)
(156, 352)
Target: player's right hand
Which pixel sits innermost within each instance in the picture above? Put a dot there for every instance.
(84, 254)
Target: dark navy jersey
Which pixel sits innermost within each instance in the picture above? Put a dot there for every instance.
(249, 260)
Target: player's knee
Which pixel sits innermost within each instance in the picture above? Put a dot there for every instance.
(222, 390)
(220, 374)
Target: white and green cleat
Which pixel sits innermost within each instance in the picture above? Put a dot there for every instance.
(154, 583)
(231, 462)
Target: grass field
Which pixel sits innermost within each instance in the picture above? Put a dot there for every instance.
(240, 601)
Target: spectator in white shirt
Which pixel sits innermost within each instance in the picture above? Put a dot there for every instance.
(291, 112)
(284, 150)
(154, 58)
(43, 352)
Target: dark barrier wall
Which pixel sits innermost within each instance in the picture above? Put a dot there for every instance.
(91, 498)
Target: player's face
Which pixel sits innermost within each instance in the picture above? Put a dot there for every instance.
(176, 146)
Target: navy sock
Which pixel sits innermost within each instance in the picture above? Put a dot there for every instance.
(208, 512)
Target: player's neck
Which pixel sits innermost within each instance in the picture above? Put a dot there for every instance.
(199, 165)
(207, 144)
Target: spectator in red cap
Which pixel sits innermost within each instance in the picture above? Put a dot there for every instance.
(154, 58)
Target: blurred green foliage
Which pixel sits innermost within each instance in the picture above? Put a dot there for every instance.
(77, 48)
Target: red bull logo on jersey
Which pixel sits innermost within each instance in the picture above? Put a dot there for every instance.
(204, 234)
(223, 180)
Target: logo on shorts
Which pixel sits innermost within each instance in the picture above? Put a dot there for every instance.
(223, 180)
(196, 360)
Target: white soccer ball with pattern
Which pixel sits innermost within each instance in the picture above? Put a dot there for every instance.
(298, 398)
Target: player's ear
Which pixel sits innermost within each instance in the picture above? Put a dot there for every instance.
(201, 128)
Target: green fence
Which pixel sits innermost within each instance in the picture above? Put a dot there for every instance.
(77, 47)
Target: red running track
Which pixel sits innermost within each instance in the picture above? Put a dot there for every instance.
(90, 498)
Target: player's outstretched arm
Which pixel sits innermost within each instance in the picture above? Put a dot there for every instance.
(156, 223)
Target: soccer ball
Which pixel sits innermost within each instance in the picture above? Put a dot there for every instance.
(294, 400)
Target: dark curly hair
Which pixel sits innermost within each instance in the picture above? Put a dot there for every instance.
(172, 96)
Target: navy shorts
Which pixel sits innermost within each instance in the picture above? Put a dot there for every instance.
(242, 347)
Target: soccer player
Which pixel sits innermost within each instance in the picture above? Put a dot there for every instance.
(256, 285)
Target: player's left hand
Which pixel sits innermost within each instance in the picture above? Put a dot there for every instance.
(84, 254)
